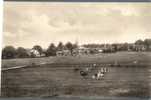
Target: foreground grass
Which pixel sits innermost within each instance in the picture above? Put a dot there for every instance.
(53, 80)
(120, 57)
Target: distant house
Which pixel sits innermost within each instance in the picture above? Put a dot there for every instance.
(100, 50)
(63, 53)
(83, 50)
(76, 51)
(59, 53)
(139, 47)
(108, 49)
(86, 51)
(33, 53)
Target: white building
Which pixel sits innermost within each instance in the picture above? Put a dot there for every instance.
(63, 53)
(34, 53)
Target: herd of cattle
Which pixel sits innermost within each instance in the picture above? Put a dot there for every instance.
(98, 71)
(93, 71)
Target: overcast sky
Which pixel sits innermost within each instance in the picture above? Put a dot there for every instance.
(28, 24)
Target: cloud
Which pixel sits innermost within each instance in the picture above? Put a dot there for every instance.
(8, 34)
(43, 23)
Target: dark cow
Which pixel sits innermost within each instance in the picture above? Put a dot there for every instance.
(83, 73)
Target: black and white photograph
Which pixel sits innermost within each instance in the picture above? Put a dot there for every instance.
(79, 50)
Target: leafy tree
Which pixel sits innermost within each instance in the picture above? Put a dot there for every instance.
(147, 43)
(21, 52)
(125, 46)
(139, 42)
(38, 48)
(51, 51)
(8, 52)
(60, 46)
(115, 46)
(69, 46)
(75, 45)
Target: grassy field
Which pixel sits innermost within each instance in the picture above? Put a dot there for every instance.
(121, 57)
(58, 77)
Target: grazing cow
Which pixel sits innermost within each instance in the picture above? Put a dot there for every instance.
(94, 76)
(76, 69)
(83, 73)
(98, 75)
(93, 66)
(135, 62)
(87, 69)
(104, 70)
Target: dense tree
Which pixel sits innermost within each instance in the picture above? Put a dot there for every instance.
(115, 46)
(8, 52)
(69, 46)
(22, 53)
(38, 48)
(147, 43)
(75, 45)
(60, 46)
(125, 46)
(51, 51)
(139, 42)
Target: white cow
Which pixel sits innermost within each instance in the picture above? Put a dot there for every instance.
(98, 75)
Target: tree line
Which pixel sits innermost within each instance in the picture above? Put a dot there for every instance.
(9, 52)
(124, 46)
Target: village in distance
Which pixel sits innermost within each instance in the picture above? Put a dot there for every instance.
(73, 49)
